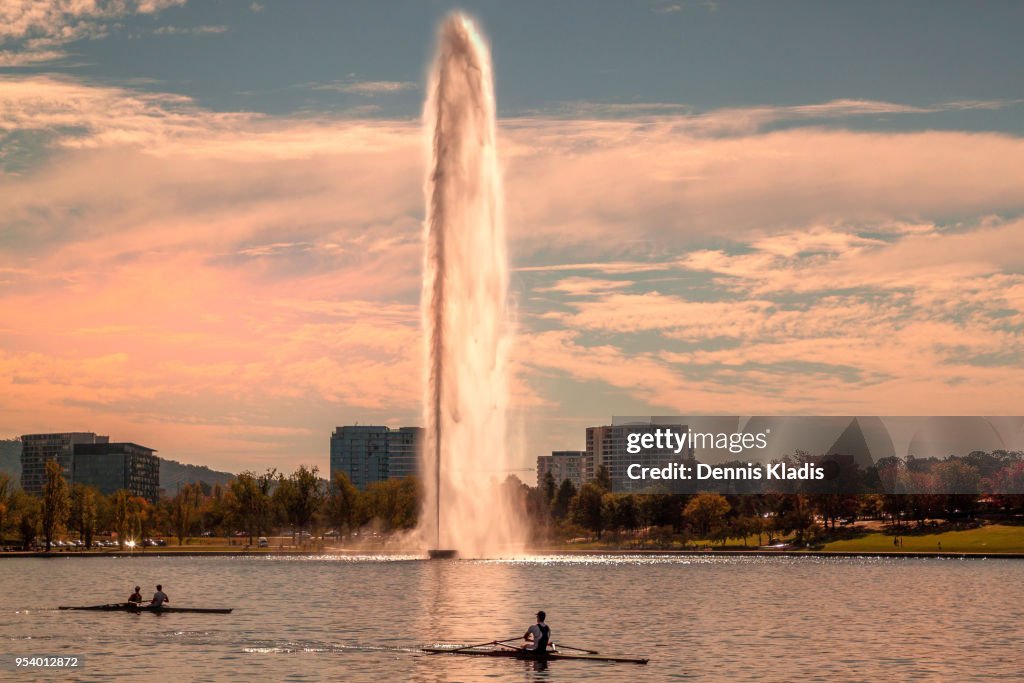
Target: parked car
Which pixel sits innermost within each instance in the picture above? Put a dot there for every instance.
(263, 542)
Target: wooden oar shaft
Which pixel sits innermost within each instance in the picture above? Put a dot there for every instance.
(470, 647)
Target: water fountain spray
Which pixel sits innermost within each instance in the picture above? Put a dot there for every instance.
(465, 308)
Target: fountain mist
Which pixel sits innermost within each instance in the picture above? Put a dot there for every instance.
(465, 307)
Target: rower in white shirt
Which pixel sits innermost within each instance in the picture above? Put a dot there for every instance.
(538, 636)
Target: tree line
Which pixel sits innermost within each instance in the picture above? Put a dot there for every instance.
(255, 504)
(305, 505)
(907, 496)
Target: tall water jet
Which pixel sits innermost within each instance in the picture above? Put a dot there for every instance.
(465, 307)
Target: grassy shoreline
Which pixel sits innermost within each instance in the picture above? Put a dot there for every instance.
(986, 539)
(992, 540)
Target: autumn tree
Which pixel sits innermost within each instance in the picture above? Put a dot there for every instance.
(121, 515)
(140, 517)
(55, 502)
(182, 509)
(84, 512)
(216, 511)
(28, 513)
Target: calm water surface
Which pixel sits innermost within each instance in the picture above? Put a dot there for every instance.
(737, 619)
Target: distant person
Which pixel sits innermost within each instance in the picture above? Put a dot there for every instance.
(136, 597)
(538, 636)
(159, 598)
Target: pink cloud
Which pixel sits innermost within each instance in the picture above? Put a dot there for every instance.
(179, 276)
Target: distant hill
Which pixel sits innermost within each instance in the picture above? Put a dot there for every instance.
(10, 459)
(172, 472)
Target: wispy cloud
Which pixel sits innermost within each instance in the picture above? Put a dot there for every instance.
(13, 59)
(34, 30)
(754, 119)
(190, 30)
(366, 87)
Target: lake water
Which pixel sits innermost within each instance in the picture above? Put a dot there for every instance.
(326, 618)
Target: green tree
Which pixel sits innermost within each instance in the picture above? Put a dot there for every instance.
(251, 502)
(343, 504)
(753, 524)
(705, 513)
(587, 508)
(563, 499)
(750, 509)
(308, 498)
(538, 512)
(55, 502)
(394, 503)
(610, 513)
(795, 514)
(6, 496)
(603, 478)
(627, 513)
(549, 486)
(247, 504)
(661, 509)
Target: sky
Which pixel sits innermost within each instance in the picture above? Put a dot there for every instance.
(210, 215)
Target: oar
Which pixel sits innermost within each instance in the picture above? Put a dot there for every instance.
(578, 649)
(470, 647)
